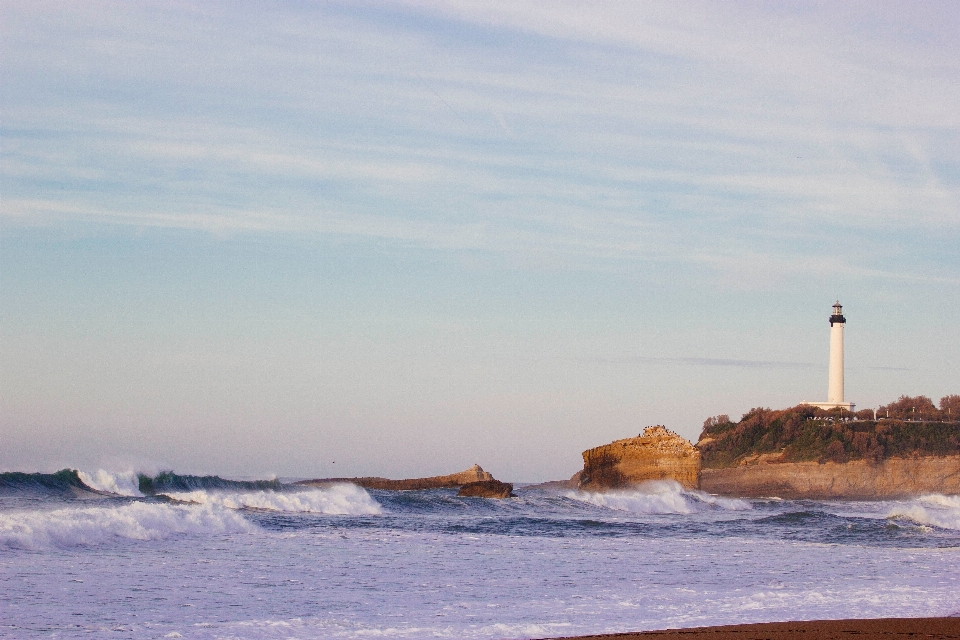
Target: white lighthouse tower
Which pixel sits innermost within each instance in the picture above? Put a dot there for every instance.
(835, 378)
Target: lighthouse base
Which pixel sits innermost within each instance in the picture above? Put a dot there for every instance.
(832, 405)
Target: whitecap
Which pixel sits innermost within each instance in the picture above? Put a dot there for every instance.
(934, 509)
(659, 497)
(122, 484)
(940, 500)
(100, 525)
(339, 499)
(729, 504)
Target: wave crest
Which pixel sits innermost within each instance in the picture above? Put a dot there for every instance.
(100, 525)
(660, 497)
(63, 482)
(932, 510)
(167, 481)
(122, 484)
(340, 499)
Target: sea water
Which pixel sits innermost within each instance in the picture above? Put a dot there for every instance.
(221, 560)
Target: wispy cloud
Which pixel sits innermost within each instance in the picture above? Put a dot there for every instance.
(709, 362)
(728, 362)
(435, 206)
(701, 134)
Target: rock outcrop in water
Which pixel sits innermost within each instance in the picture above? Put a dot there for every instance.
(657, 454)
(473, 474)
(765, 476)
(487, 489)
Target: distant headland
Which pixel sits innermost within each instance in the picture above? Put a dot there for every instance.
(907, 447)
(812, 450)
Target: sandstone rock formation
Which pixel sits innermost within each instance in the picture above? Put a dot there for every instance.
(473, 474)
(657, 454)
(855, 480)
(487, 489)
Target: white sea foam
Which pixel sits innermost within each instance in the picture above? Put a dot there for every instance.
(729, 504)
(100, 525)
(341, 628)
(659, 497)
(340, 499)
(933, 509)
(122, 484)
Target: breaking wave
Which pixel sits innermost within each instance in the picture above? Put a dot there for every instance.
(340, 499)
(65, 481)
(934, 510)
(100, 525)
(168, 481)
(122, 484)
(660, 497)
(72, 482)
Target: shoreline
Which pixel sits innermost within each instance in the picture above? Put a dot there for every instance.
(887, 628)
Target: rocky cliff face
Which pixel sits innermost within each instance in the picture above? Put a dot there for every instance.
(856, 480)
(473, 474)
(657, 454)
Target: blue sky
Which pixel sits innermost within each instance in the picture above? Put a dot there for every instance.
(396, 239)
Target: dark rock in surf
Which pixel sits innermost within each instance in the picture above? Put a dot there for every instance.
(487, 489)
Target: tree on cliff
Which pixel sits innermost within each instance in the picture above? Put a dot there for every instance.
(907, 408)
(950, 405)
(713, 421)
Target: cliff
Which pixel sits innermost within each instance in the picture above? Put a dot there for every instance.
(808, 434)
(806, 452)
(657, 454)
(856, 480)
(473, 474)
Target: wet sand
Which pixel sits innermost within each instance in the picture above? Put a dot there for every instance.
(884, 628)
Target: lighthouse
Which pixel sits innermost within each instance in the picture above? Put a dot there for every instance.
(835, 375)
(835, 380)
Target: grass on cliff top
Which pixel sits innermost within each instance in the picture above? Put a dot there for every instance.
(805, 433)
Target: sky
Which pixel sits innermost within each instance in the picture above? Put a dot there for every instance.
(326, 239)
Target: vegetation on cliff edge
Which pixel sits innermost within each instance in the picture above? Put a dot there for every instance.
(805, 433)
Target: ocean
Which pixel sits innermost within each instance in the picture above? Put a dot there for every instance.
(89, 556)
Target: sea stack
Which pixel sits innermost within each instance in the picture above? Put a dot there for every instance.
(656, 454)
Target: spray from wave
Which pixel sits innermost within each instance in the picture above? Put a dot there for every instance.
(121, 484)
(660, 498)
(341, 499)
(142, 521)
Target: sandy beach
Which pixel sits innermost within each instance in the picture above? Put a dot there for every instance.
(887, 628)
